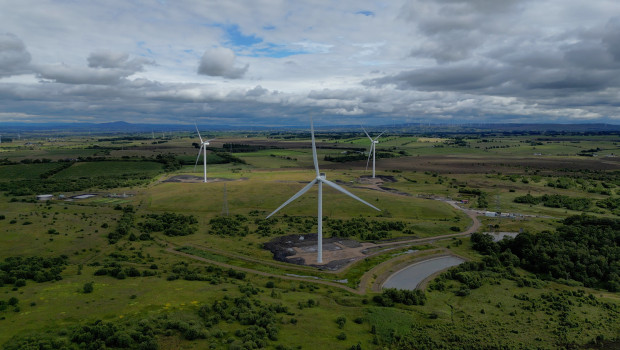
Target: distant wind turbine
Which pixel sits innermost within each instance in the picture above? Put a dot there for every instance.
(320, 179)
(373, 150)
(203, 145)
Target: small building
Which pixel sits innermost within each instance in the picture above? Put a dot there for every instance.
(45, 197)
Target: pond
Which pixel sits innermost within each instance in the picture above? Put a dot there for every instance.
(411, 276)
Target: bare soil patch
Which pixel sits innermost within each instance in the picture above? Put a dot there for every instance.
(302, 250)
(376, 184)
(379, 179)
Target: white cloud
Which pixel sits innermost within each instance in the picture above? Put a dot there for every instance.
(220, 62)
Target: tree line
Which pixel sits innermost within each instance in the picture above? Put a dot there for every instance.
(584, 248)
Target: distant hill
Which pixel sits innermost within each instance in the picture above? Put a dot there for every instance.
(125, 127)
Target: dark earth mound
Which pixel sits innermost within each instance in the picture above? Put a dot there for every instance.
(384, 178)
(283, 247)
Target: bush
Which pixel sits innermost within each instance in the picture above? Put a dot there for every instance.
(407, 297)
(20, 282)
(88, 287)
(341, 321)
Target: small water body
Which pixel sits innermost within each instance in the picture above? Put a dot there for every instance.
(411, 276)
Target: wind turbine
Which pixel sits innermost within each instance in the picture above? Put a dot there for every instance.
(203, 145)
(373, 150)
(320, 179)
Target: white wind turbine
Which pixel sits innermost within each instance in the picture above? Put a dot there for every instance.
(373, 150)
(320, 179)
(203, 145)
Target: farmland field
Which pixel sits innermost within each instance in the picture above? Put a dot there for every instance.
(111, 168)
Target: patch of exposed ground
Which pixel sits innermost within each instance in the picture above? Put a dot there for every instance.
(376, 184)
(302, 250)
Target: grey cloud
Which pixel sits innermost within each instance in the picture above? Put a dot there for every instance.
(119, 60)
(534, 70)
(611, 38)
(70, 75)
(448, 48)
(590, 56)
(525, 56)
(104, 68)
(257, 91)
(14, 58)
(454, 77)
(570, 79)
(220, 62)
(327, 94)
(454, 29)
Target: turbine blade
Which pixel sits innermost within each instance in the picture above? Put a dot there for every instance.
(372, 145)
(376, 138)
(211, 139)
(366, 133)
(200, 137)
(200, 150)
(333, 185)
(316, 162)
(302, 191)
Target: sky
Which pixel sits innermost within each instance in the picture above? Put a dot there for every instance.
(277, 63)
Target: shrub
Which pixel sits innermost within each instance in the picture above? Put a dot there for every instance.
(20, 282)
(88, 287)
(341, 321)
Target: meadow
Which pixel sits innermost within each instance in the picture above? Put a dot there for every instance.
(156, 285)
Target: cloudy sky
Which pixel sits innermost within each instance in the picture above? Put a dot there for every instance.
(271, 62)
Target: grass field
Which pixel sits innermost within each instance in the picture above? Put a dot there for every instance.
(25, 171)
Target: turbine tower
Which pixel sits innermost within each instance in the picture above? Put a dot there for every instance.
(373, 150)
(320, 179)
(203, 145)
